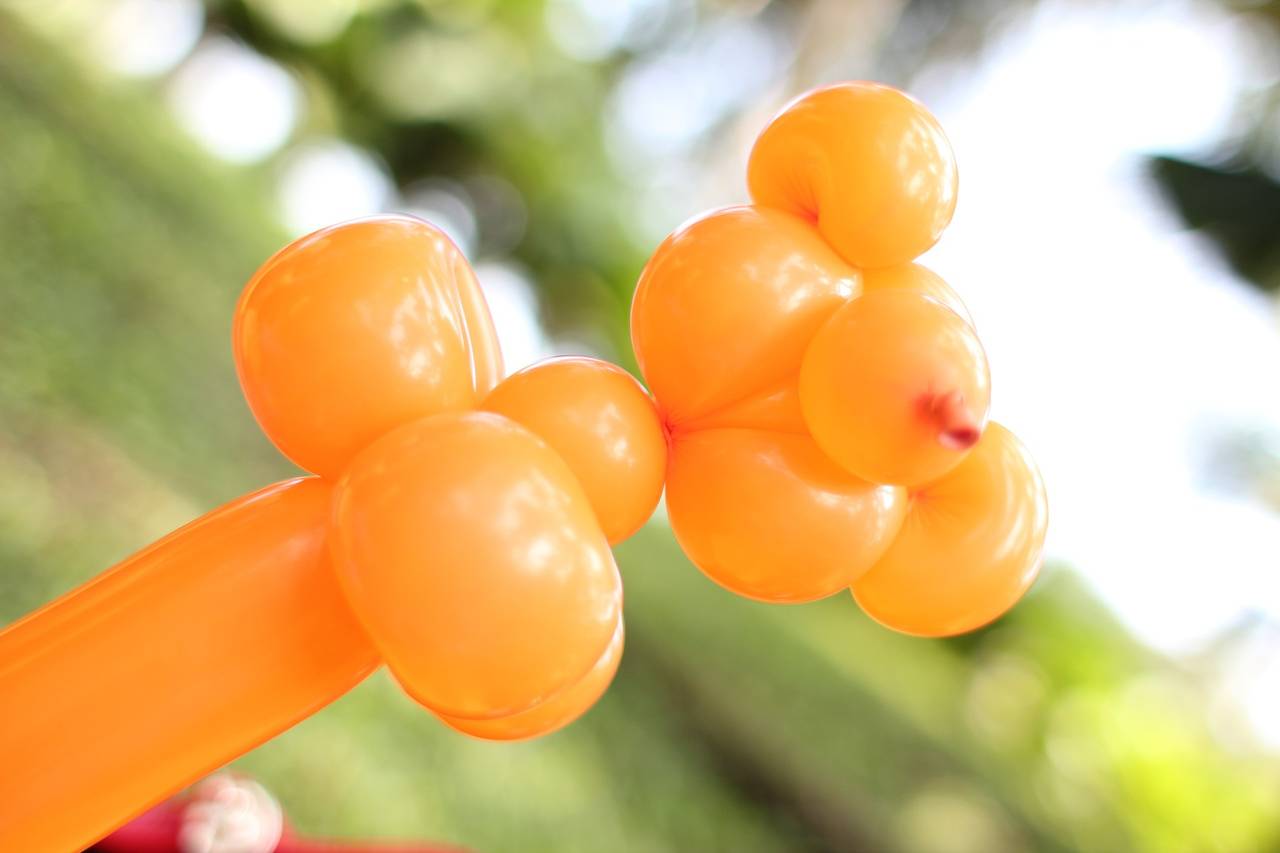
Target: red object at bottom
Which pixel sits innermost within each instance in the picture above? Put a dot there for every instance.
(233, 814)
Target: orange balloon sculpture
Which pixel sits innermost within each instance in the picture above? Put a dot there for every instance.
(818, 419)
(466, 549)
(826, 397)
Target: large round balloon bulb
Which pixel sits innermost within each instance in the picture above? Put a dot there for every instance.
(723, 313)
(469, 552)
(768, 516)
(603, 424)
(970, 547)
(351, 331)
(867, 163)
(917, 278)
(555, 713)
(895, 388)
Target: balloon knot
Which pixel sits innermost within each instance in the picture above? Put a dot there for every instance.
(958, 429)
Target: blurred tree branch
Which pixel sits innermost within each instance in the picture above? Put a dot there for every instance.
(1239, 209)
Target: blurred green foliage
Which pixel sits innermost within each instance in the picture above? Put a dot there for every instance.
(731, 726)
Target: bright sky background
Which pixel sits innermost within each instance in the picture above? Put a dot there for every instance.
(1118, 343)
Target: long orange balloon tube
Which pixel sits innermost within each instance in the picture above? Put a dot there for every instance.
(181, 658)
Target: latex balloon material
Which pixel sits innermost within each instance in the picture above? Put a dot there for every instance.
(603, 424)
(168, 665)
(895, 387)
(724, 311)
(356, 329)
(470, 554)
(556, 712)
(867, 163)
(918, 278)
(817, 415)
(768, 516)
(970, 547)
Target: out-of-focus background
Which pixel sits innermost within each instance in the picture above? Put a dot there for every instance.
(1117, 241)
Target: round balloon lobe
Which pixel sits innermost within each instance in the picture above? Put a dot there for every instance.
(470, 553)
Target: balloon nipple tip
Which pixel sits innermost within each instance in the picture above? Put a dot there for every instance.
(957, 427)
(960, 438)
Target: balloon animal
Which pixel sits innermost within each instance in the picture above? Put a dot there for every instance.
(818, 419)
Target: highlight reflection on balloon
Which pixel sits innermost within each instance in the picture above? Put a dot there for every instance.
(358, 328)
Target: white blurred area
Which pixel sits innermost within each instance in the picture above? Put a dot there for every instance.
(1119, 343)
(143, 38)
(513, 304)
(323, 181)
(238, 104)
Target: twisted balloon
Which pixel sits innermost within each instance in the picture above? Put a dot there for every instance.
(818, 419)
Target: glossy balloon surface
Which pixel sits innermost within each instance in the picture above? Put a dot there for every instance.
(867, 163)
(818, 414)
(356, 329)
(556, 712)
(603, 424)
(724, 311)
(969, 548)
(470, 553)
(768, 516)
(919, 278)
(895, 387)
(177, 660)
